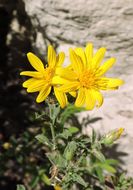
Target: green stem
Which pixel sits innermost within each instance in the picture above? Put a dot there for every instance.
(53, 135)
(52, 125)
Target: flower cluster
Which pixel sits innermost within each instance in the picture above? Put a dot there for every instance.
(84, 78)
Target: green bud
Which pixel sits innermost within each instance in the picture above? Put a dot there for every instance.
(112, 136)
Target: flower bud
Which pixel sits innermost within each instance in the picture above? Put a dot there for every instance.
(112, 136)
(7, 145)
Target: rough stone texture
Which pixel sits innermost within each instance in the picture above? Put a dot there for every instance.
(105, 23)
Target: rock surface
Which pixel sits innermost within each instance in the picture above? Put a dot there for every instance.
(105, 23)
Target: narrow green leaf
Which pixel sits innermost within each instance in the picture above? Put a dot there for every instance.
(65, 135)
(70, 150)
(98, 155)
(99, 172)
(34, 181)
(45, 179)
(73, 130)
(111, 161)
(61, 161)
(43, 139)
(77, 178)
(20, 187)
(108, 168)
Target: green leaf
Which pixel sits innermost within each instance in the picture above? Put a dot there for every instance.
(69, 111)
(65, 135)
(98, 155)
(73, 130)
(43, 139)
(99, 172)
(70, 150)
(54, 111)
(34, 181)
(57, 159)
(108, 168)
(111, 161)
(44, 177)
(93, 138)
(20, 187)
(77, 178)
(60, 161)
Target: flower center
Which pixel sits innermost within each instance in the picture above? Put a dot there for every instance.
(49, 73)
(87, 79)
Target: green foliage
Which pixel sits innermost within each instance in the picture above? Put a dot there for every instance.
(20, 187)
(61, 154)
(76, 159)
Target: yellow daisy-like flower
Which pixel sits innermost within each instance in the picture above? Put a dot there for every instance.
(42, 79)
(86, 76)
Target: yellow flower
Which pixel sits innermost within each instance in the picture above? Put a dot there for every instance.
(86, 76)
(41, 79)
(57, 187)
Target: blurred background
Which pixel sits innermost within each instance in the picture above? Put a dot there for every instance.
(30, 25)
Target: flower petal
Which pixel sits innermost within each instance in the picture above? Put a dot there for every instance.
(58, 80)
(89, 54)
(36, 86)
(43, 94)
(66, 73)
(35, 62)
(90, 99)
(61, 97)
(98, 97)
(29, 82)
(60, 59)
(98, 57)
(80, 98)
(73, 93)
(114, 83)
(80, 52)
(32, 74)
(69, 87)
(51, 56)
(76, 62)
(106, 66)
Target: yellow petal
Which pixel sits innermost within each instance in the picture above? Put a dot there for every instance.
(60, 59)
(80, 98)
(98, 57)
(36, 86)
(106, 66)
(61, 97)
(32, 74)
(29, 82)
(98, 97)
(89, 54)
(35, 62)
(73, 93)
(43, 94)
(90, 99)
(113, 83)
(58, 80)
(66, 73)
(51, 57)
(69, 87)
(80, 52)
(76, 62)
